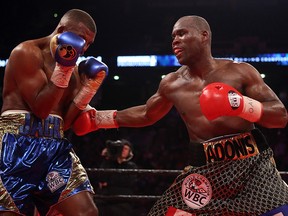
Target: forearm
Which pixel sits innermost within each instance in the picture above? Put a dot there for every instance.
(46, 100)
(274, 115)
(134, 117)
(70, 115)
(91, 119)
(127, 118)
(50, 96)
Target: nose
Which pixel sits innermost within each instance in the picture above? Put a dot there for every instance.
(175, 40)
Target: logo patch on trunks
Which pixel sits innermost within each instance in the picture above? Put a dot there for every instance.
(196, 191)
(55, 181)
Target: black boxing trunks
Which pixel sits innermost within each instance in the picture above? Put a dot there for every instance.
(38, 165)
(230, 175)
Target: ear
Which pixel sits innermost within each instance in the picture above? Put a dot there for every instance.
(205, 36)
(60, 29)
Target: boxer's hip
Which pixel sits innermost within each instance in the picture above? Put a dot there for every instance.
(229, 147)
(27, 124)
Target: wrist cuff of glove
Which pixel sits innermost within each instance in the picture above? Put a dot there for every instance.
(61, 75)
(252, 110)
(106, 119)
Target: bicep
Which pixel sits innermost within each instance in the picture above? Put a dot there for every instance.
(274, 111)
(27, 73)
(143, 115)
(256, 88)
(157, 107)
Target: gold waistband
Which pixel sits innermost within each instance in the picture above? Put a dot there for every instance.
(231, 148)
(27, 124)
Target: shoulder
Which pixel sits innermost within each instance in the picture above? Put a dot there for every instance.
(243, 69)
(25, 49)
(172, 76)
(25, 53)
(241, 74)
(238, 65)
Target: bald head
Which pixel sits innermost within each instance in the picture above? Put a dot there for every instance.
(76, 16)
(193, 21)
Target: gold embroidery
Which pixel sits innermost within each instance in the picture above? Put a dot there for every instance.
(232, 148)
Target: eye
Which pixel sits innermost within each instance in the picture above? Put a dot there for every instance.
(181, 33)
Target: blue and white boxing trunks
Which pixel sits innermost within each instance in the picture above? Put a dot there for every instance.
(38, 165)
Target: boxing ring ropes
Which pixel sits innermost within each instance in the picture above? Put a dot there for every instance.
(92, 171)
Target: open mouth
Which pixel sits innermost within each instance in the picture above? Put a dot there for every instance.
(177, 51)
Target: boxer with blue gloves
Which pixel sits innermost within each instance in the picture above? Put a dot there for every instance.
(43, 93)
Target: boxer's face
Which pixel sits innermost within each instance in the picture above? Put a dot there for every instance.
(186, 42)
(84, 32)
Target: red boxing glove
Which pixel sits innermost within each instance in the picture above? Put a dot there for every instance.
(220, 99)
(91, 120)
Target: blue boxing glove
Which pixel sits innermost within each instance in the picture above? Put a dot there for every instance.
(91, 67)
(92, 73)
(66, 49)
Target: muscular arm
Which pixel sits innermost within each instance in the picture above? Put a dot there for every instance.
(31, 89)
(155, 108)
(274, 111)
(138, 116)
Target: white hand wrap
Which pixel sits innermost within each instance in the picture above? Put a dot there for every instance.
(106, 119)
(88, 90)
(61, 75)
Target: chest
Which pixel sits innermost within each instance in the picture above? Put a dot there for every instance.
(184, 89)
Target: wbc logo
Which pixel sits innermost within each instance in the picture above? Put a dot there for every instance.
(55, 181)
(196, 191)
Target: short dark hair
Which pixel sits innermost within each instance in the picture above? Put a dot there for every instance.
(81, 16)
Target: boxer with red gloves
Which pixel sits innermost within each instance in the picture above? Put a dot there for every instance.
(229, 156)
(219, 99)
(91, 120)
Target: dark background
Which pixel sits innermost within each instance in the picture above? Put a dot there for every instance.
(131, 27)
(144, 26)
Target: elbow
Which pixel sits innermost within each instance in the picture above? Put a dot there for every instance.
(282, 121)
(285, 120)
(42, 114)
(282, 124)
(274, 121)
